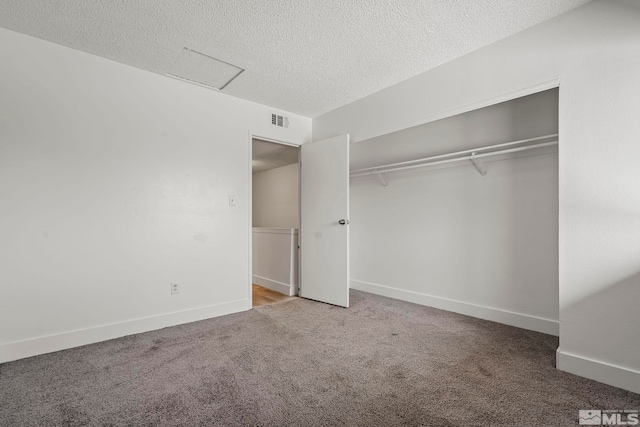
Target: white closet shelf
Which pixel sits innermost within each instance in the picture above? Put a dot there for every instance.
(471, 155)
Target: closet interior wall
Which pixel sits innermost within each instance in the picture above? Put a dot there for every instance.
(448, 237)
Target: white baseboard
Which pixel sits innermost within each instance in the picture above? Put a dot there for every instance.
(603, 372)
(519, 320)
(47, 344)
(283, 288)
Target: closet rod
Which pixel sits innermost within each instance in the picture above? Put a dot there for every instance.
(383, 169)
(428, 161)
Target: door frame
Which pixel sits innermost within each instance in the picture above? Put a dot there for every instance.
(253, 136)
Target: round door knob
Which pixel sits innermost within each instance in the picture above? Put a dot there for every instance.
(343, 221)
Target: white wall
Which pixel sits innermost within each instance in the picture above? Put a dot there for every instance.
(114, 182)
(275, 259)
(275, 197)
(594, 52)
(485, 246)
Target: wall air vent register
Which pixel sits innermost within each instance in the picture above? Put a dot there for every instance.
(279, 121)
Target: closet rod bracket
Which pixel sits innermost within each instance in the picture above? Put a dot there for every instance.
(477, 164)
(381, 177)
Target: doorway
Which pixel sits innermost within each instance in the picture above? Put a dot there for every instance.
(275, 220)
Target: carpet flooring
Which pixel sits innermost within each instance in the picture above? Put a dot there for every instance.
(381, 362)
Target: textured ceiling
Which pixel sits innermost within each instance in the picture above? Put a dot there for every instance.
(302, 56)
(269, 155)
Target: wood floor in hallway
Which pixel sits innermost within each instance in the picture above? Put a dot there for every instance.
(264, 296)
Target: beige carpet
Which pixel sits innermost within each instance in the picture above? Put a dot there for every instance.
(380, 363)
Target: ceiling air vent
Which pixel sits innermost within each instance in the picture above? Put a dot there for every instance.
(279, 121)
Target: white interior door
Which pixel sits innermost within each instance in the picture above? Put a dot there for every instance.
(324, 221)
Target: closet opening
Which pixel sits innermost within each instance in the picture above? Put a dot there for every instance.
(275, 220)
(461, 213)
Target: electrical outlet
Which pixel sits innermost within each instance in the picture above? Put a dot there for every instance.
(174, 289)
